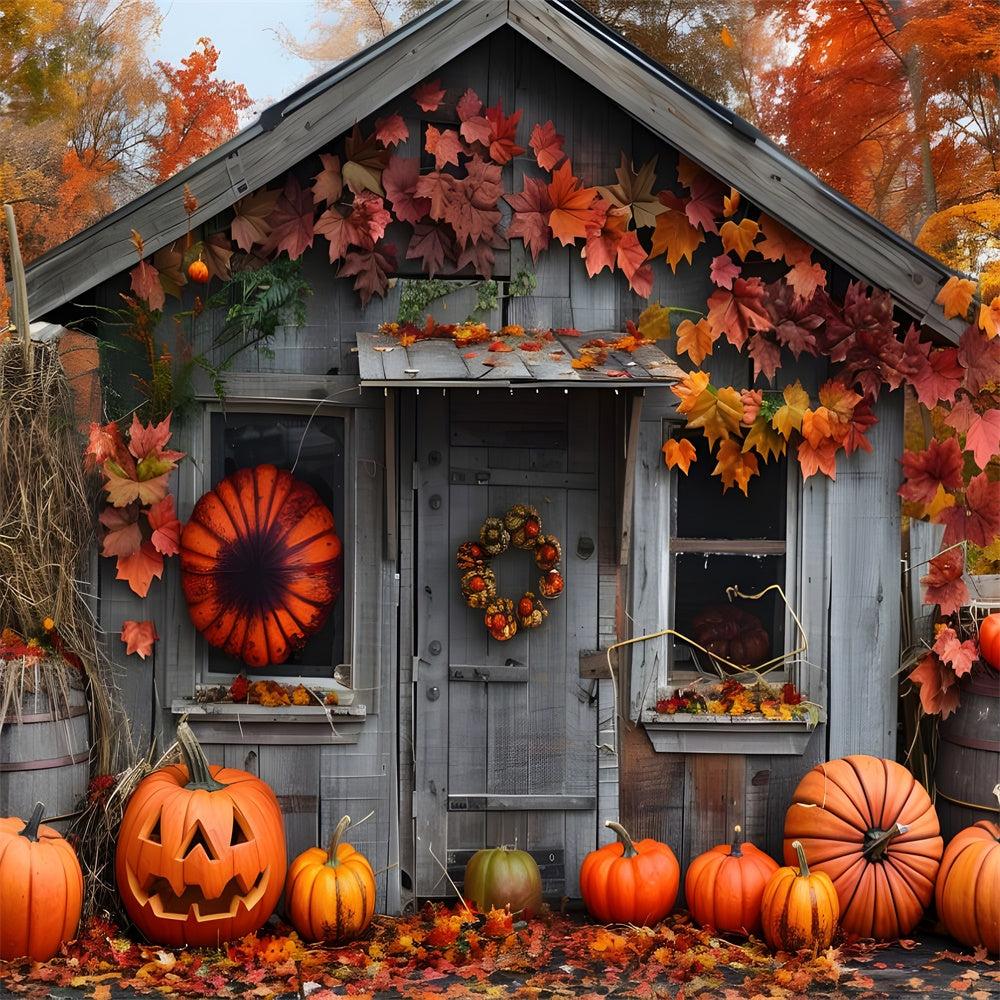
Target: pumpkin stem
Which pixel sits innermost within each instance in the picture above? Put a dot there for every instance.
(331, 854)
(199, 775)
(801, 855)
(622, 834)
(735, 851)
(31, 827)
(877, 841)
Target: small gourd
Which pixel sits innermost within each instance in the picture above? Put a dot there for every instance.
(330, 894)
(799, 907)
(198, 271)
(503, 877)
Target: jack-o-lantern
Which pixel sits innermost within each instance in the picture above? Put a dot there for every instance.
(201, 853)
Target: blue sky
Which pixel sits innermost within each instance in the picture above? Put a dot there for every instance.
(244, 33)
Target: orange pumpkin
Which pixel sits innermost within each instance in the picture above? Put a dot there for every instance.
(261, 565)
(872, 828)
(799, 907)
(201, 852)
(989, 639)
(967, 893)
(198, 271)
(723, 886)
(628, 882)
(330, 894)
(41, 889)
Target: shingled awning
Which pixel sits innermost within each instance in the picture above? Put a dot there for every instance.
(440, 363)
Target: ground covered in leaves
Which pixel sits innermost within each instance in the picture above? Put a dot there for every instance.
(448, 952)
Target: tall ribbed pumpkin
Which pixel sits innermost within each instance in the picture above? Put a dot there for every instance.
(41, 889)
(871, 826)
(261, 564)
(799, 908)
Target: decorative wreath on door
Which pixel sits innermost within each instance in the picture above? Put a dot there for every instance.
(520, 527)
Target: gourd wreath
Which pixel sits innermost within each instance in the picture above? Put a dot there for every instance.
(522, 528)
(261, 565)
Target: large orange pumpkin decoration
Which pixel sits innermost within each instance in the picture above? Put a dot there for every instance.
(967, 894)
(989, 639)
(201, 852)
(330, 894)
(723, 886)
(629, 882)
(872, 828)
(41, 889)
(799, 907)
(261, 565)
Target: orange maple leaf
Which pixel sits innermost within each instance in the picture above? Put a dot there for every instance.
(139, 569)
(780, 243)
(675, 237)
(956, 296)
(989, 318)
(571, 205)
(764, 439)
(819, 457)
(679, 453)
(696, 340)
(718, 414)
(139, 637)
(739, 238)
(734, 466)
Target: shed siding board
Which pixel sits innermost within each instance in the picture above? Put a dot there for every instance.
(864, 606)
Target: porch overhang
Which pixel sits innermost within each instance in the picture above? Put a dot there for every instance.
(385, 362)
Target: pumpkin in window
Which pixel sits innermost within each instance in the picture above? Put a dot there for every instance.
(200, 857)
(261, 564)
(479, 587)
(500, 620)
(732, 634)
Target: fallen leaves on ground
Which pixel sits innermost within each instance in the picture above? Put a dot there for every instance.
(449, 951)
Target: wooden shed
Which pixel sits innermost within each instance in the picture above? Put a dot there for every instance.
(453, 739)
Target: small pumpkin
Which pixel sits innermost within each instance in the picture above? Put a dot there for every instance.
(629, 882)
(724, 885)
(330, 894)
(41, 889)
(732, 634)
(478, 586)
(530, 611)
(198, 271)
(470, 555)
(799, 907)
(548, 552)
(551, 584)
(500, 620)
(871, 826)
(503, 878)
(967, 893)
(523, 524)
(989, 639)
(200, 857)
(261, 564)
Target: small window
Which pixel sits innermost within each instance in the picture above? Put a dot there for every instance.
(728, 565)
(311, 447)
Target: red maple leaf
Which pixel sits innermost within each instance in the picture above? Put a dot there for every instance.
(434, 244)
(940, 464)
(978, 520)
(943, 584)
(795, 322)
(445, 147)
(735, 313)
(704, 205)
(468, 105)
(291, 222)
(250, 225)
(572, 203)
(437, 187)
(429, 95)
(371, 270)
(937, 684)
(766, 354)
(138, 637)
(166, 536)
(399, 179)
(939, 380)
(479, 254)
(980, 358)
(472, 208)
(981, 430)
(780, 243)
(392, 130)
(503, 131)
(547, 145)
(724, 271)
(530, 220)
(145, 282)
(957, 653)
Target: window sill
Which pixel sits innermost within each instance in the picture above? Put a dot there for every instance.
(725, 734)
(226, 722)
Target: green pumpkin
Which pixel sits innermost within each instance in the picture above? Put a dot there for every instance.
(503, 877)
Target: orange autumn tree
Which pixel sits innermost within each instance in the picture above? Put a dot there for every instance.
(201, 111)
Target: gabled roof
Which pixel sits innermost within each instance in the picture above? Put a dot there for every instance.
(293, 128)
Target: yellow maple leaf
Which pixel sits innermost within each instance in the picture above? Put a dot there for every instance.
(739, 238)
(989, 318)
(789, 417)
(956, 296)
(689, 389)
(654, 322)
(695, 339)
(764, 439)
(734, 466)
(718, 414)
(731, 203)
(679, 453)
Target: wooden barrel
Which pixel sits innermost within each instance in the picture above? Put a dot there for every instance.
(968, 756)
(45, 753)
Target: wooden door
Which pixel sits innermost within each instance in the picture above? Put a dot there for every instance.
(506, 732)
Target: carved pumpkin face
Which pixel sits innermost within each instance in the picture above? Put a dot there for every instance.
(201, 853)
